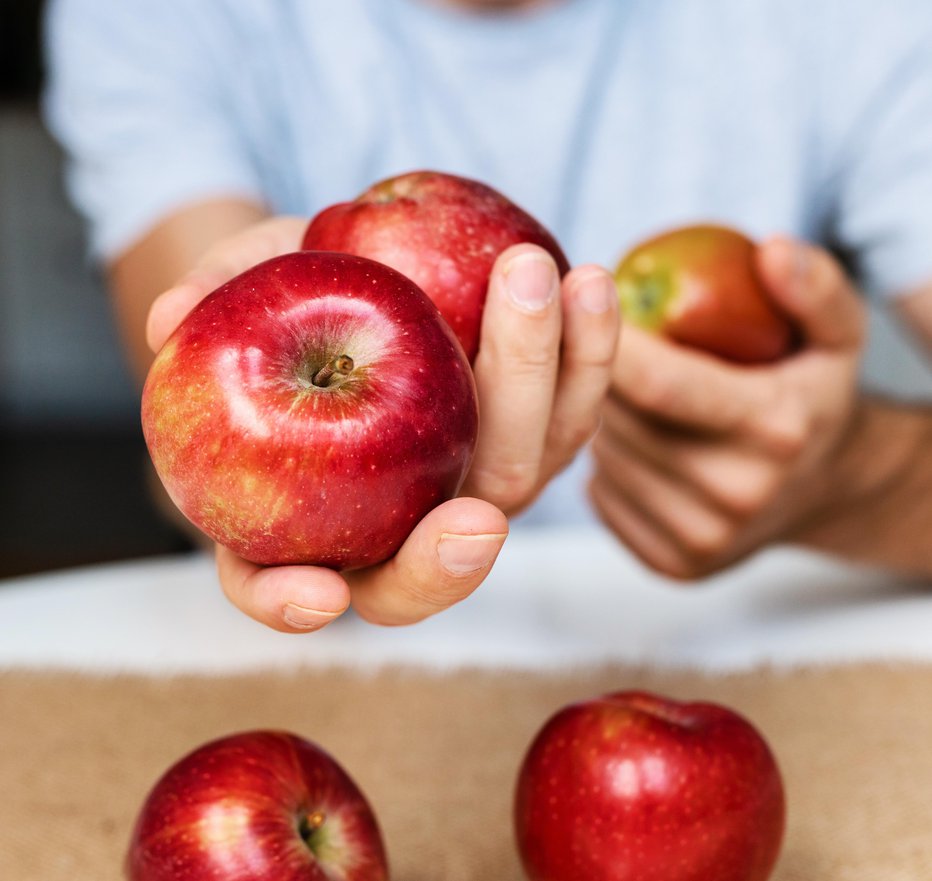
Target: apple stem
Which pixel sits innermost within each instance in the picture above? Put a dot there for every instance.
(315, 820)
(310, 823)
(339, 368)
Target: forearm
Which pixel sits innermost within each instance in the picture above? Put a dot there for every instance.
(877, 492)
(161, 257)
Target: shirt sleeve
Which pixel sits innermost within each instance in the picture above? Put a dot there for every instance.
(880, 108)
(135, 95)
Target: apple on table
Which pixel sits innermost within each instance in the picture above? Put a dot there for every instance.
(256, 806)
(635, 785)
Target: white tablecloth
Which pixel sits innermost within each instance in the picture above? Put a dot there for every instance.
(556, 598)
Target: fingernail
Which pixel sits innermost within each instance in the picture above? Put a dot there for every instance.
(302, 618)
(462, 554)
(531, 281)
(596, 292)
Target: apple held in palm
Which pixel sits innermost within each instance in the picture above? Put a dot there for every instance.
(311, 410)
(699, 286)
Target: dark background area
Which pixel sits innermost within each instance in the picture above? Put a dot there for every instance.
(73, 472)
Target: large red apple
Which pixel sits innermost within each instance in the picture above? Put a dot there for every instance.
(699, 286)
(256, 806)
(311, 410)
(637, 786)
(444, 232)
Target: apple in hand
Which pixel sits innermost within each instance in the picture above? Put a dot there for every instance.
(311, 410)
(635, 785)
(442, 231)
(698, 285)
(256, 806)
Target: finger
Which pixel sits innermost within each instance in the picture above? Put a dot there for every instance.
(694, 527)
(590, 335)
(738, 481)
(634, 531)
(683, 386)
(443, 561)
(516, 373)
(262, 241)
(691, 391)
(291, 599)
(811, 286)
(170, 309)
(220, 263)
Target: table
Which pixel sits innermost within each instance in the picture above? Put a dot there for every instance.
(556, 598)
(92, 711)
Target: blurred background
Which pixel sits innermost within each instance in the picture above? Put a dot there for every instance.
(72, 476)
(72, 460)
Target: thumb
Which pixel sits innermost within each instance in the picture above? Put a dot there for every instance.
(808, 284)
(218, 264)
(170, 308)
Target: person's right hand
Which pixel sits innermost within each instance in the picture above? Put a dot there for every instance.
(700, 462)
(541, 374)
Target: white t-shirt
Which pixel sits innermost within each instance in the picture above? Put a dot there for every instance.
(607, 119)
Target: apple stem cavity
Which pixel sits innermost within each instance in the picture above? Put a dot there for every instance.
(338, 369)
(309, 826)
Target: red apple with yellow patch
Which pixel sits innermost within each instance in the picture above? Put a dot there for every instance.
(699, 286)
(311, 410)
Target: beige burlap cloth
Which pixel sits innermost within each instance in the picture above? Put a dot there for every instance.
(437, 756)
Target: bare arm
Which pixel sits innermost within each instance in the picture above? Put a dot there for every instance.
(880, 489)
(165, 254)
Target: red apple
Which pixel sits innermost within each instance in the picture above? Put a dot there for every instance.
(444, 232)
(699, 286)
(311, 410)
(256, 806)
(637, 786)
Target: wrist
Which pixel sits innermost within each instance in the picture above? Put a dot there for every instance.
(867, 490)
(875, 454)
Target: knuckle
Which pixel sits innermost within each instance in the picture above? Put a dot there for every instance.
(784, 432)
(652, 390)
(568, 438)
(438, 594)
(520, 357)
(705, 543)
(508, 486)
(745, 496)
(680, 569)
(596, 351)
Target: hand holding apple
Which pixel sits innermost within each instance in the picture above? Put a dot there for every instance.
(541, 376)
(256, 806)
(635, 785)
(442, 231)
(699, 461)
(700, 286)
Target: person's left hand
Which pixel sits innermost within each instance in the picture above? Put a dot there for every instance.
(700, 462)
